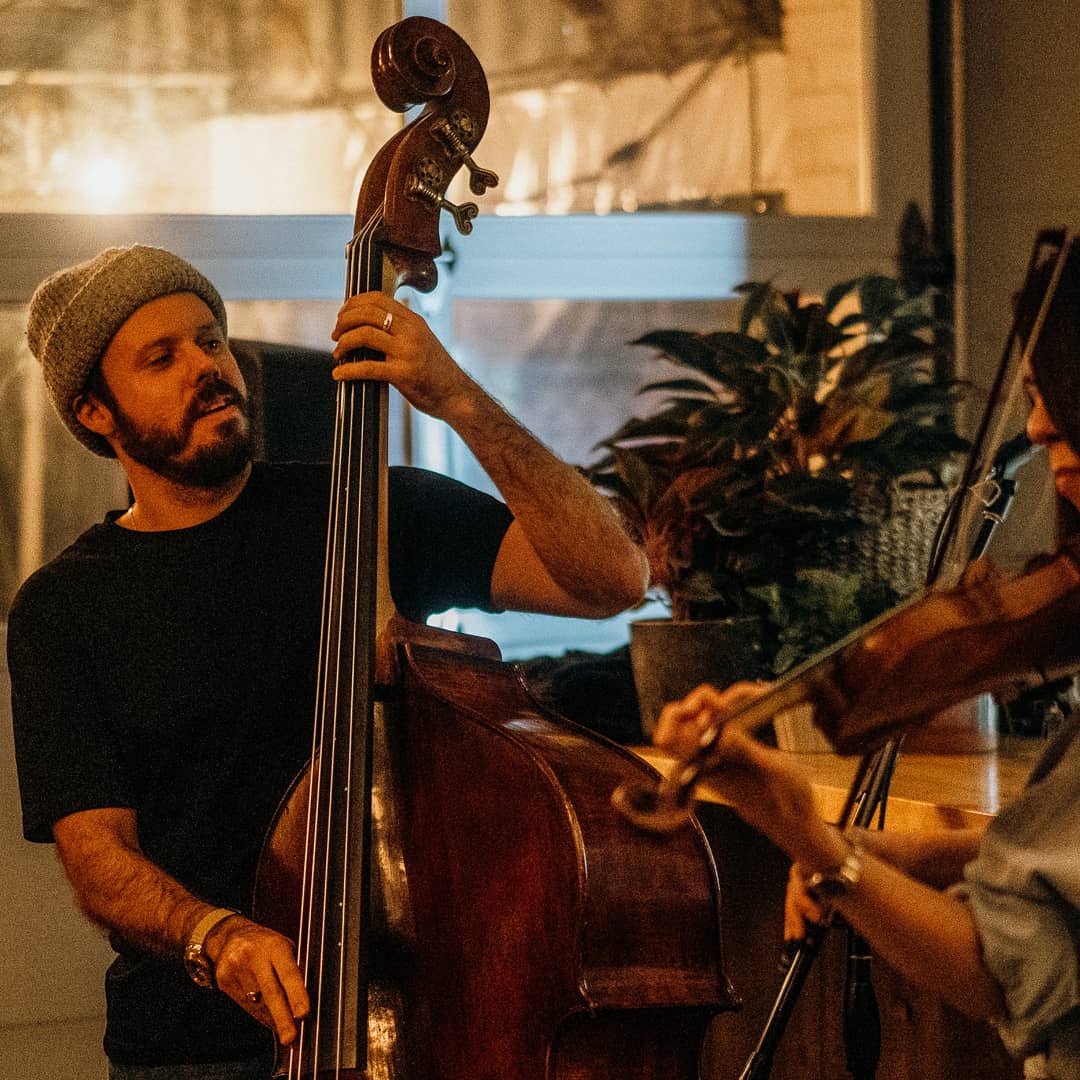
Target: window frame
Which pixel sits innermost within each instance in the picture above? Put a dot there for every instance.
(687, 256)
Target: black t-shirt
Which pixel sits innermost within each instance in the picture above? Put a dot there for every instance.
(174, 673)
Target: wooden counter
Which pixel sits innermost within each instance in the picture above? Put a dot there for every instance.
(953, 790)
(920, 1038)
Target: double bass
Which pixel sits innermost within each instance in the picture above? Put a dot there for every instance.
(466, 903)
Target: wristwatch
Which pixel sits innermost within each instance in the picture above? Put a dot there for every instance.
(196, 962)
(826, 887)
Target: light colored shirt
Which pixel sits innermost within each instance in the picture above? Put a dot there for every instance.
(1024, 893)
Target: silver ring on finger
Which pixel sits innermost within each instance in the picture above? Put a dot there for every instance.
(387, 322)
(254, 996)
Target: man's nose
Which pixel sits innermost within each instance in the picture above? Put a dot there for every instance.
(201, 363)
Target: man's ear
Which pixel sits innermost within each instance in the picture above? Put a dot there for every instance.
(93, 414)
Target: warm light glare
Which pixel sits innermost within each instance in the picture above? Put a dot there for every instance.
(106, 182)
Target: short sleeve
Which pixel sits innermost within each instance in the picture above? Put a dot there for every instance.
(444, 539)
(66, 757)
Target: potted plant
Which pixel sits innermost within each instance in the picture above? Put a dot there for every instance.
(772, 455)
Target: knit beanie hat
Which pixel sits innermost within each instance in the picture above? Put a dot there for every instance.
(76, 312)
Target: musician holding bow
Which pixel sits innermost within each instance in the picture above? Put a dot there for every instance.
(163, 666)
(1001, 943)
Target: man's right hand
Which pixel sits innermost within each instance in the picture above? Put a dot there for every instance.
(257, 968)
(118, 887)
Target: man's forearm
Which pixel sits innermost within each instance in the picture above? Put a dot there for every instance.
(567, 551)
(574, 531)
(120, 889)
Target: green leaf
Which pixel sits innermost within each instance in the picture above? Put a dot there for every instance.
(680, 346)
(667, 426)
(924, 399)
(838, 293)
(736, 348)
(905, 448)
(759, 297)
(779, 330)
(695, 387)
(879, 297)
(637, 477)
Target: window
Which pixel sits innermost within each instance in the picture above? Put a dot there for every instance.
(728, 106)
(236, 135)
(188, 106)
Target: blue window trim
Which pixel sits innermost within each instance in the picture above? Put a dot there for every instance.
(623, 256)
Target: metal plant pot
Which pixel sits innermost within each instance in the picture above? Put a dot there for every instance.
(670, 658)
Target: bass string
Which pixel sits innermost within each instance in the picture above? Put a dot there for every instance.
(351, 498)
(360, 630)
(339, 638)
(306, 944)
(323, 749)
(314, 826)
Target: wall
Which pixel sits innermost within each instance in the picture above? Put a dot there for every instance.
(823, 126)
(1019, 169)
(51, 1005)
(1017, 172)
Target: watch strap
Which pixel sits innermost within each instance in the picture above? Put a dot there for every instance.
(208, 922)
(196, 962)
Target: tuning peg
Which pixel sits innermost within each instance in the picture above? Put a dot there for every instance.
(454, 132)
(463, 214)
(479, 179)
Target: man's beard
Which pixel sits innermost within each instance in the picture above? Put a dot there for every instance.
(211, 466)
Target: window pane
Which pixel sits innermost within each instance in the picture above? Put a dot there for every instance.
(566, 371)
(723, 105)
(563, 368)
(189, 106)
(266, 106)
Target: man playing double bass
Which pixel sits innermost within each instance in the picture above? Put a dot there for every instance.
(163, 666)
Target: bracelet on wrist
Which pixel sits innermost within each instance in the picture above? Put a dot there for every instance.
(197, 964)
(828, 886)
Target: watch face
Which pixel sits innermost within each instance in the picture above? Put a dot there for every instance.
(198, 967)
